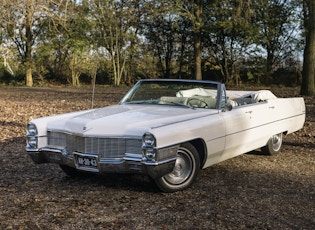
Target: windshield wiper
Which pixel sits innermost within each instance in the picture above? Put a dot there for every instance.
(155, 101)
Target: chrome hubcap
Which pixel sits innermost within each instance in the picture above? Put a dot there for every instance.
(276, 141)
(182, 170)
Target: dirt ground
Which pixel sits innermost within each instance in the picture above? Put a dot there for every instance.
(251, 191)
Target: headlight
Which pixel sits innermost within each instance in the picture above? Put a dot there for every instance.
(148, 146)
(31, 129)
(148, 140)
(32, 141)
(150, 154)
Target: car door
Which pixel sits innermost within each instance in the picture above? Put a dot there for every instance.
(245, 128)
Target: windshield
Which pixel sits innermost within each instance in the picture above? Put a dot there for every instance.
(193, 94)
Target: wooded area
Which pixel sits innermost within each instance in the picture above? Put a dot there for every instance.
(120, 41)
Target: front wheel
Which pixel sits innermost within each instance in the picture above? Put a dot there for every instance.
(273, 145)
(185, 171)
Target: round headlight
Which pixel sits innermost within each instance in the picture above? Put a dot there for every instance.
(31, 129)
(148, 140)
(32, 141)
(150, 154)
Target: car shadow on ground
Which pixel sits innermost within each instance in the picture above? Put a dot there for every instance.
(134, 182)
(256, 152)
(308, 145)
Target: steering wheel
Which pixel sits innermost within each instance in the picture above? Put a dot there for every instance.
(197, 102)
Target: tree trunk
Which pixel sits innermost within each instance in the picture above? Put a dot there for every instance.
(28, 51)
(197, 38)
(308, 72)
(226, 77)
(29, 77)
(269, 66)
(198, 73)
(75, 74)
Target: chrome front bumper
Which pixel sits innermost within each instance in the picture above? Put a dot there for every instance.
(129, 163)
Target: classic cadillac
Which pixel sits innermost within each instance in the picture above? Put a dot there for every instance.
(167, 129)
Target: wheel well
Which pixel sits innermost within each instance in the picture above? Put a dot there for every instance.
(200, 146)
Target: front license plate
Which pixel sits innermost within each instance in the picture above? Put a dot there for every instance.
(85, 162)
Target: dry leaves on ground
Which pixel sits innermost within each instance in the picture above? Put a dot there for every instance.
(251, 191)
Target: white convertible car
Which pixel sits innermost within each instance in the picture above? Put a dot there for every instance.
(167, 129)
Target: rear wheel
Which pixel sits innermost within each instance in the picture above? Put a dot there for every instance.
(185, 170)
(273, 145)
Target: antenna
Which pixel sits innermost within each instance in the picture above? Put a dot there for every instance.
(93, 91)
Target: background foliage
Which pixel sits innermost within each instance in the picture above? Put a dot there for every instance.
(120, 41)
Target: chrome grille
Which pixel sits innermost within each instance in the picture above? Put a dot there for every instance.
(103, 147)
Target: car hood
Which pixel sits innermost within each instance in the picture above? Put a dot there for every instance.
(126, 120)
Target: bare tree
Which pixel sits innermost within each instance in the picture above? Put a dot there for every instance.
(192, 10)
(21, 23)
(114, 32)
